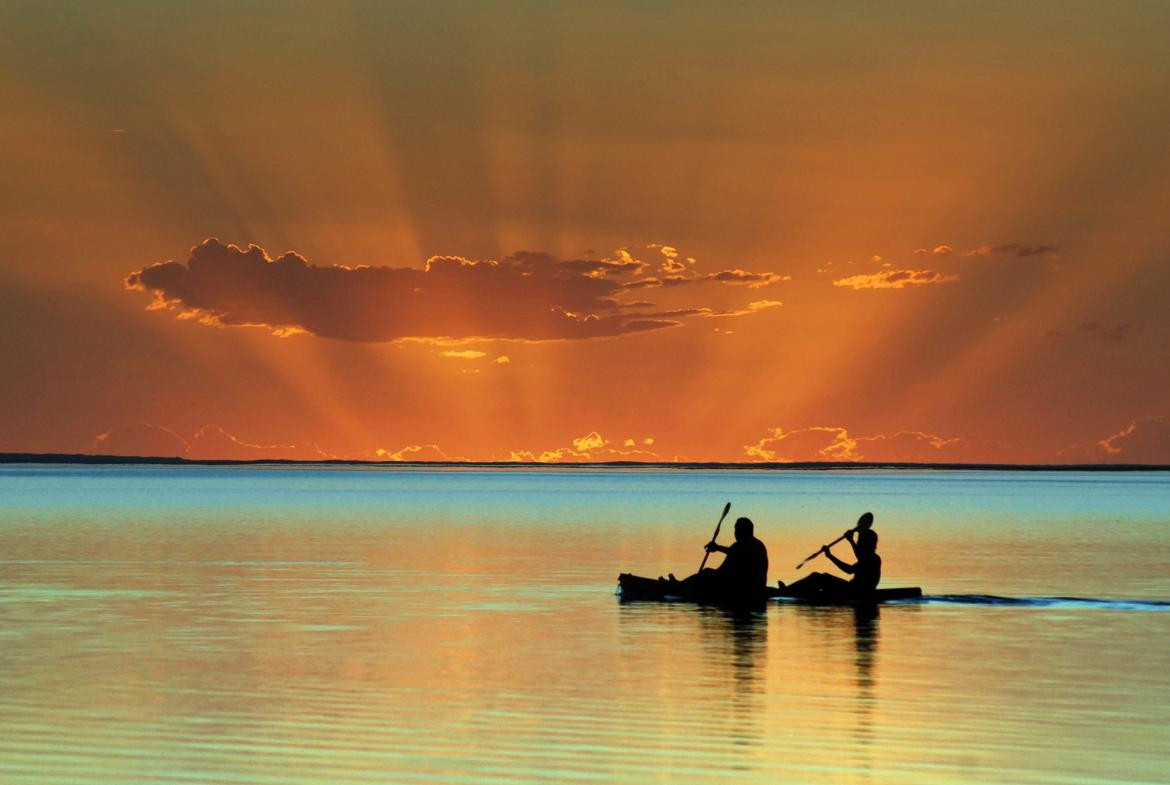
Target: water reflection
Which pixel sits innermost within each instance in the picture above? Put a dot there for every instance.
(710, 667)
(842, 644)
(738, 638)
(865, 640)
(866, 629)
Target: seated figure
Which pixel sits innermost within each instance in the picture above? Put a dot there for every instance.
(866, 571)
(744, 569)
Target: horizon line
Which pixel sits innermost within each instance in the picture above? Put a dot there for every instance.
(97, 459)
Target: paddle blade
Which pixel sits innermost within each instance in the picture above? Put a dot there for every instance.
(726, 509)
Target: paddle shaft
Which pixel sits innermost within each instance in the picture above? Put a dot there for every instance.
(818, 553)
(863, 523)
(715, 536)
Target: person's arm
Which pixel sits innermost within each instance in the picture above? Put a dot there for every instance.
(842, 566)
(851, 535)
(714, 546)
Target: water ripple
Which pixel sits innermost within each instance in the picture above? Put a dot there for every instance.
(1045, 602)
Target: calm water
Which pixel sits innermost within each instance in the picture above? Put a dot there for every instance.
(272, 625)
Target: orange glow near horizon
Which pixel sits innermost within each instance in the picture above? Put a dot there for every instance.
(966, 243)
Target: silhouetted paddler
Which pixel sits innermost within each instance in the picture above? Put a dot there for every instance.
(866, 571)
(744, 568)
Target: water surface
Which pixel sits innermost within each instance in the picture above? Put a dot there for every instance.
(321, 625)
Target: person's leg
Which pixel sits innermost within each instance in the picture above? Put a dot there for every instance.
(818, 582)
(809, 583)
(705, 579)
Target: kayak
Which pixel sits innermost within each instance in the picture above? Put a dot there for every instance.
(874, 597)
(635, 587)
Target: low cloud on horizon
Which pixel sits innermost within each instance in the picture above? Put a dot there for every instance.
(835, 443)
(210, 443)
(592, 447)
(1141, 441)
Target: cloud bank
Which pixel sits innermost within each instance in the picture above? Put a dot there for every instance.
(592, 447)
(1020, 250)
(834, 443)
(210, 443)
(525, 296)
(140, 440)
(416, 453)
(1143, 441)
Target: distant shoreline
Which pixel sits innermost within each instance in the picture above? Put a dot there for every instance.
(121, 460)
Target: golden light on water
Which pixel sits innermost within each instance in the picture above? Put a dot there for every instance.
(341, 625)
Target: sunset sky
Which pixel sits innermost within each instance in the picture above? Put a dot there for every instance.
(587, 231)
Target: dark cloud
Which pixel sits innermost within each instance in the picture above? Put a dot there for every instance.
(584, 266)
(643, 283)
(895, 279)
(1035, 250)
(744, 277)
(1118, 332)
(1012, 249)
(938, 250)
(525, 296)
(732, 277)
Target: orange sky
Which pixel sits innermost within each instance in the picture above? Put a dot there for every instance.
(725, 232)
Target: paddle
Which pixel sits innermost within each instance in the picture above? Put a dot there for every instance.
(863, 523)
(715, 536)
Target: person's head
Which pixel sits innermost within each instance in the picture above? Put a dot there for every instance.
(867, 540)
(744, 530)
